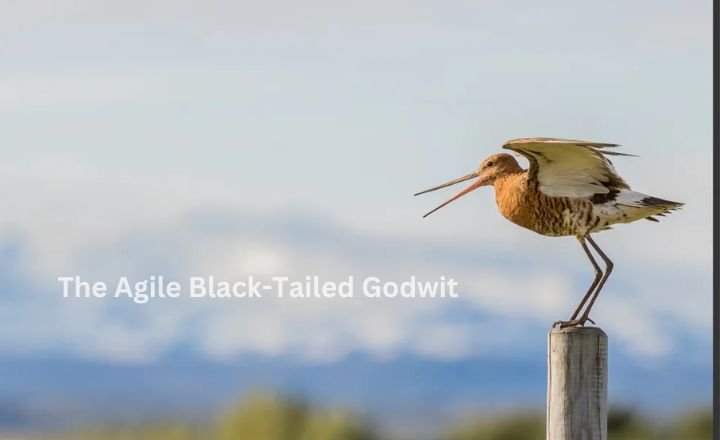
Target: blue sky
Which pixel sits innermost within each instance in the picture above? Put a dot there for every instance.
(280, 137)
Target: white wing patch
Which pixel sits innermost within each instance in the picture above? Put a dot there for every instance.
(569, 168)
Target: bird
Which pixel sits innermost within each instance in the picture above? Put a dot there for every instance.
(570, 188)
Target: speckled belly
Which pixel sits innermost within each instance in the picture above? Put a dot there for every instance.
(554, 216)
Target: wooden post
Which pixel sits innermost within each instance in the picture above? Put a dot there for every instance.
(577, 384)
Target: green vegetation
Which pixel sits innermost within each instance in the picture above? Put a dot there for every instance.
(510, 427)
(275, 419)
(622, 425)
(272, 418)
(696, 425)
(257, 418)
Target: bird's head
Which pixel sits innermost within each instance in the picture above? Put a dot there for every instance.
(496, 166)
(492, 168)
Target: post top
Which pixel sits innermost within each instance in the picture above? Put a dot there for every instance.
(578, 330)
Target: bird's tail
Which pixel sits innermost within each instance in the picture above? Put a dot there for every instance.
(661, 205)
(648, 206)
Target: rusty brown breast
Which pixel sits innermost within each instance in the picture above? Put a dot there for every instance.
(520, 201)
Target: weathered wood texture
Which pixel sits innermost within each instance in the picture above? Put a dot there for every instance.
(577, 384)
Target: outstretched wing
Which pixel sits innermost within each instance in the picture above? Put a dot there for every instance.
(570, 168)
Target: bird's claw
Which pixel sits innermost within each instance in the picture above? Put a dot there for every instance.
(572, 323)
(566, 324)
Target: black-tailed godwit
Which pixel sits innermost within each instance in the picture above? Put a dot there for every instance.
(570, 188)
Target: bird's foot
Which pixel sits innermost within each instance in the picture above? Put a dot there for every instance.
(572, 323)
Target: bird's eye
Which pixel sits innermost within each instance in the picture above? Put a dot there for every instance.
(489, 164)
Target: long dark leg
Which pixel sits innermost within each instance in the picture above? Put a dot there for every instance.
(598, 275)
(608, 269)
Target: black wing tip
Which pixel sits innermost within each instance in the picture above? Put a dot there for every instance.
(601, 145)
(615, 153)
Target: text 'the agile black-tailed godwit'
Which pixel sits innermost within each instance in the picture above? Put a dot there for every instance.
(570, 188)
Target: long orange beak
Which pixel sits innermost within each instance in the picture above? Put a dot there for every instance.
(477, 184)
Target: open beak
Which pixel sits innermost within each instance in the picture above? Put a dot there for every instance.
(470, 188)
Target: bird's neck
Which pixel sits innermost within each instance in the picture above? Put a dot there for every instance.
(510, 183)
(510, 193)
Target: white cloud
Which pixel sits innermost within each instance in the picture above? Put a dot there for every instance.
(316, 330)
(635, 327)
(445, 341)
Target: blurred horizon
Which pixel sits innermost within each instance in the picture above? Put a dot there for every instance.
(275, 138)
(271, 417)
